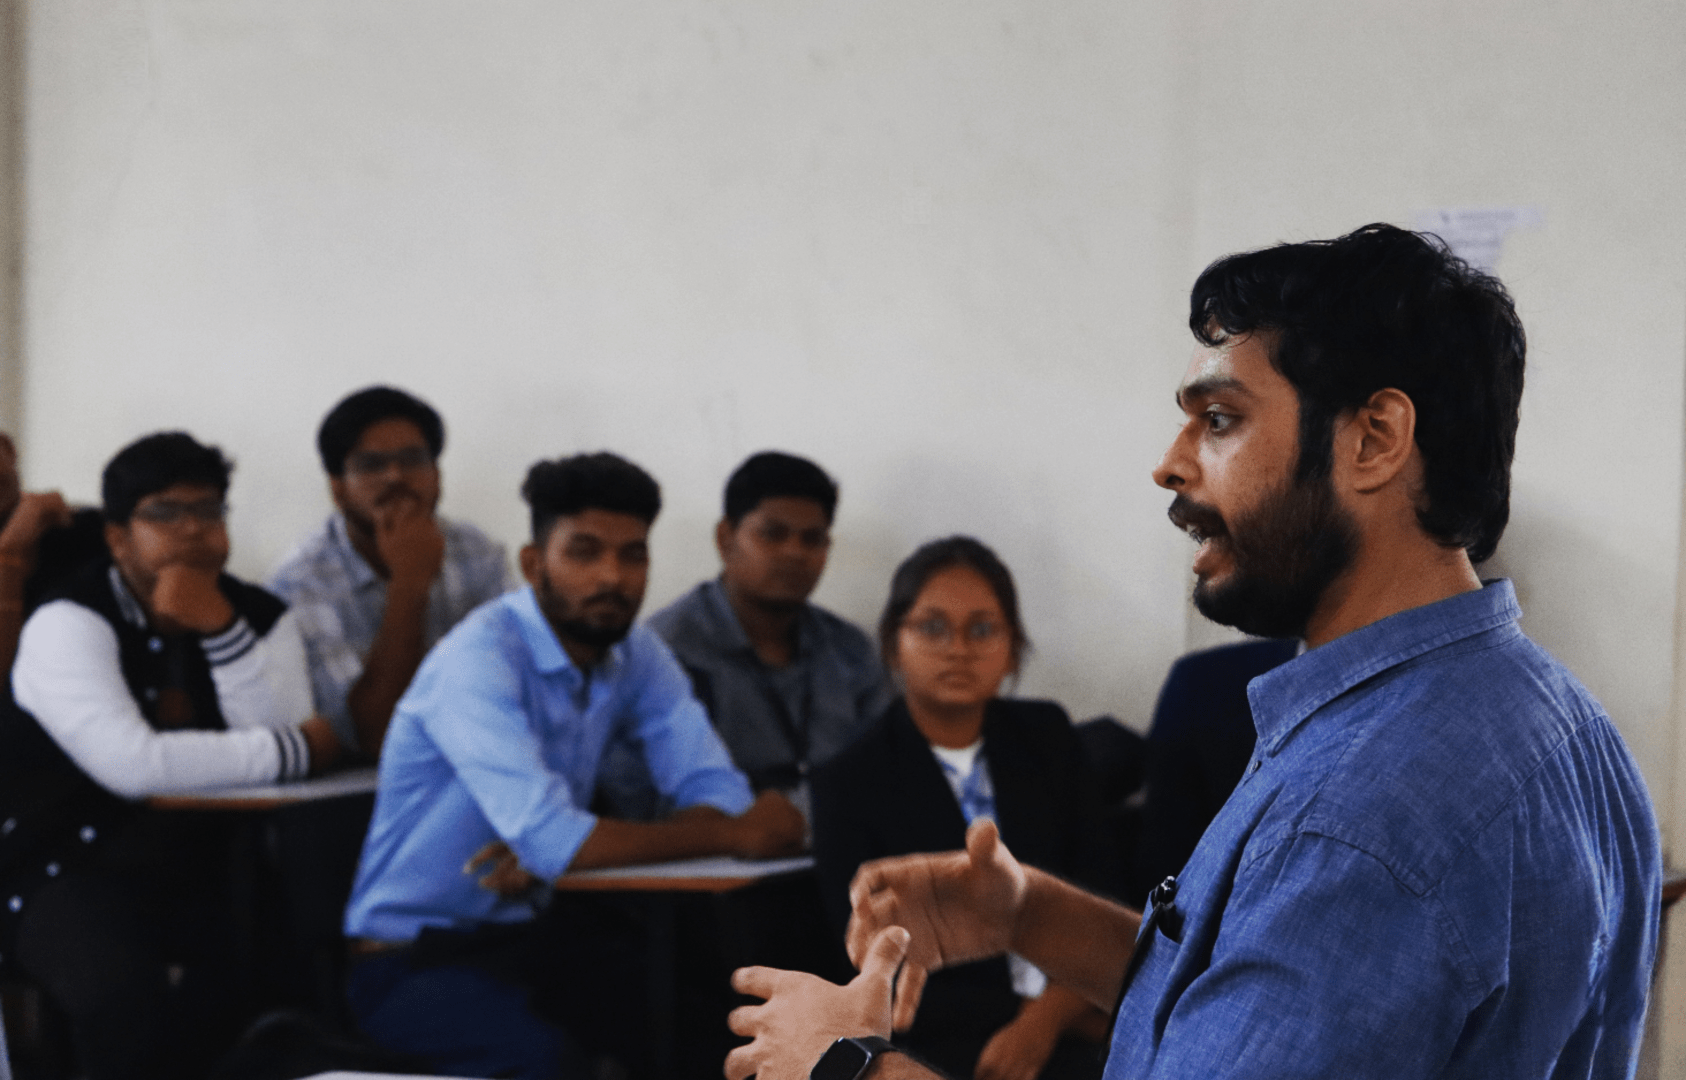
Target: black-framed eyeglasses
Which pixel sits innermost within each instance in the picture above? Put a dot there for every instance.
(371, 462)
(170, 512)
(937, 632)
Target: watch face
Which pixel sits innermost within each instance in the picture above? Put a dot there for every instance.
(844, 1061)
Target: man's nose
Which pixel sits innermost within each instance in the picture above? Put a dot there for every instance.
(1176, 466)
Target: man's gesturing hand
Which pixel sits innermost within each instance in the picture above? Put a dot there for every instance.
(804, 1014)
(958, 906)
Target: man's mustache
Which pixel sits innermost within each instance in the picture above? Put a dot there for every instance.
(1199, 521)
(609, 596)
(394, 493)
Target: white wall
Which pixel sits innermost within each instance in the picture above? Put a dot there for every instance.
(941, 247)
(682, 231)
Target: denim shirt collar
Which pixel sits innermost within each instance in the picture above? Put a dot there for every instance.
(1282, 699)
(549, 657)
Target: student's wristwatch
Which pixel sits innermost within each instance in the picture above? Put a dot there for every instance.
(849, 1059)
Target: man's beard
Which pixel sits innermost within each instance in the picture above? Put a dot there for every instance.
(596, 622)
(1284, 554)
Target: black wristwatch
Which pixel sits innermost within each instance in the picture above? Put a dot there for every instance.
(849, 1059)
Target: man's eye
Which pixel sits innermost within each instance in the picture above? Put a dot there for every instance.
(583, 552)
(1218, 422)
(774, 534)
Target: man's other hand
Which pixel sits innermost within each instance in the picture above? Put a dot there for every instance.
(409, 541)
(503, 874)
(804, 1014)
(188, 597)
(770, 828)
(958, 906)
(325, 747)
(35, 513)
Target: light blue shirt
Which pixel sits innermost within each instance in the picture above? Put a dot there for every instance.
(499, 738)
(1442, 862)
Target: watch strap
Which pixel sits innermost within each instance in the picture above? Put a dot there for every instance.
(861, 1051)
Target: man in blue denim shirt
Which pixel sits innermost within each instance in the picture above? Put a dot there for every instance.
(1442, 861)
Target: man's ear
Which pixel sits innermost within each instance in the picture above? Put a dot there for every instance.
(724, 534)
(336, 490)
(1378, 440)
(117, 541)
(531, 558)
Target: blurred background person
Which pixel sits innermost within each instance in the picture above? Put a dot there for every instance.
(948, 752)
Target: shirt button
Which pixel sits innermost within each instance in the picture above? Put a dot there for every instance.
(155, 644)
(7, 827)
(52, 869)
(1255, 766)
(15, 903)
(151, 693)
(87, 834)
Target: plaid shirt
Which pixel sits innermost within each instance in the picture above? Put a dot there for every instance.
(338, 600)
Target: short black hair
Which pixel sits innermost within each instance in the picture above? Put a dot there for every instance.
(347, 421)
(601, 481)
(774, 475)
(1379, 308)
(936, 555)
(158, 461)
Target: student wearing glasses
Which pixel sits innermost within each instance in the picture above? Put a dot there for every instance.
(948, 752)
(384, 577)
(151, 672)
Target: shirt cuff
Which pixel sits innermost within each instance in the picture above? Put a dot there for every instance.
(547, 848)
(231, 644)
(726, 790)
(295, 753)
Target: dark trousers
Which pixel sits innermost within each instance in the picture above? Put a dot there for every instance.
(135, 948)
(535, 1000)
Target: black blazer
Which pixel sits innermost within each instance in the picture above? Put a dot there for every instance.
(886, 795)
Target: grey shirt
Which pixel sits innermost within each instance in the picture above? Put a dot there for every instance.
(776, 722)
(339, 601)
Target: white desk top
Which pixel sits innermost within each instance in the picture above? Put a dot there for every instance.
(719, 873)
(270, 796)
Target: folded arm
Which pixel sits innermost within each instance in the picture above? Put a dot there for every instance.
(69, 677)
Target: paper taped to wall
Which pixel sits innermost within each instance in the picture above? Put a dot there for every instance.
(1476, 234)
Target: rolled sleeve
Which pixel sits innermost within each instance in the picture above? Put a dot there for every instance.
(69, 676)
(687, 760)
(1325, 965)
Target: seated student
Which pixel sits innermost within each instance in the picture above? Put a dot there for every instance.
(492, 757)
(1197, 750)
(42, 542)
(950, 752)
(384, 577)
(151, 672)
(787, 683)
